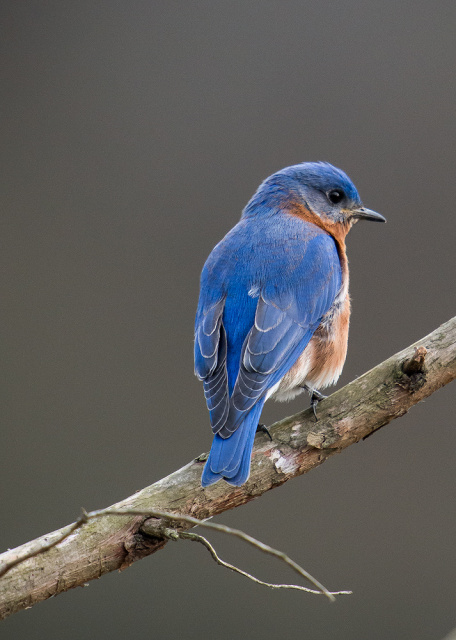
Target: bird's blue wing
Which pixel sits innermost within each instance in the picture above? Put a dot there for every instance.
(290, 307)
(257, 311)
(210, 355)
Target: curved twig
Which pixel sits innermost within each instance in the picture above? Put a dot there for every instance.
(187, 535)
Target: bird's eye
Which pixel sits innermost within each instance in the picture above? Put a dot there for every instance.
(336, 195)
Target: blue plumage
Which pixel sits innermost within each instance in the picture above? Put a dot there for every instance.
(265, 289)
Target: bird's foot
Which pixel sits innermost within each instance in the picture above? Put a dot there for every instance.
(263, 428)
(315, 397)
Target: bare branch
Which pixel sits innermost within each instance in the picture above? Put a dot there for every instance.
(299, 445)
(193, 536)
(162, 531)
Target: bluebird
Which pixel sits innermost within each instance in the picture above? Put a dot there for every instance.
(273, 311)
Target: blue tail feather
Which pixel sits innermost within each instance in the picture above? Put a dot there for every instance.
(244, 468)
(230, 457)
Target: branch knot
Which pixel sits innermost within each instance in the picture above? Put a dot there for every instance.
(415, 371)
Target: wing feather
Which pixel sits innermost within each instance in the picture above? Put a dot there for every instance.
(287, 314)
(244, 347)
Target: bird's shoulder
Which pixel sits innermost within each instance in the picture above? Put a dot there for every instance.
(260, 248)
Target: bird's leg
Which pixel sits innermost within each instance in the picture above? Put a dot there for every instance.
(314, 400)
(263, 428)
(315, 397)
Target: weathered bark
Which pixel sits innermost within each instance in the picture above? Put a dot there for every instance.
(299, 444)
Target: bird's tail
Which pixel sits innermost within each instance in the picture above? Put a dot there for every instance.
(230, 457)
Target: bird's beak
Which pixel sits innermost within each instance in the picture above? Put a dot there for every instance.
(366, 214)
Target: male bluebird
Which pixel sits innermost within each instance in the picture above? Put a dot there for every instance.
(274, 308)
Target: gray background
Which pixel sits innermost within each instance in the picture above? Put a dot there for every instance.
(133, 135)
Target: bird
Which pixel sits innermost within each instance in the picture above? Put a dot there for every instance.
(274, 308)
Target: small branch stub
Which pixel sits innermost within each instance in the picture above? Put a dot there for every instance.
(414, 369)
(415, 364)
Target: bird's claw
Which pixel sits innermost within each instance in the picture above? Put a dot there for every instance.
(263, 428)
(314, 400)
(315, 397)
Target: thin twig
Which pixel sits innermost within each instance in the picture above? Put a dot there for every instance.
(187, 535)
(223, 529)
(91, 515)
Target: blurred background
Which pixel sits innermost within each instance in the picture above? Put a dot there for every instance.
(133, 133)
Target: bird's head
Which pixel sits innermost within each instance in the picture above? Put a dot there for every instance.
(316, 191)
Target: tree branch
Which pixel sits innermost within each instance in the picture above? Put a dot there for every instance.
(299, 444)
(41, 545)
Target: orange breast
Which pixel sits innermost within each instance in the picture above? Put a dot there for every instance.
(322, 360)
(328, 349)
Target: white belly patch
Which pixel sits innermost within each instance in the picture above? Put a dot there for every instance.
(322, 361)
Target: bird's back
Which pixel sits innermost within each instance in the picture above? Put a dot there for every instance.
(290, 259)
